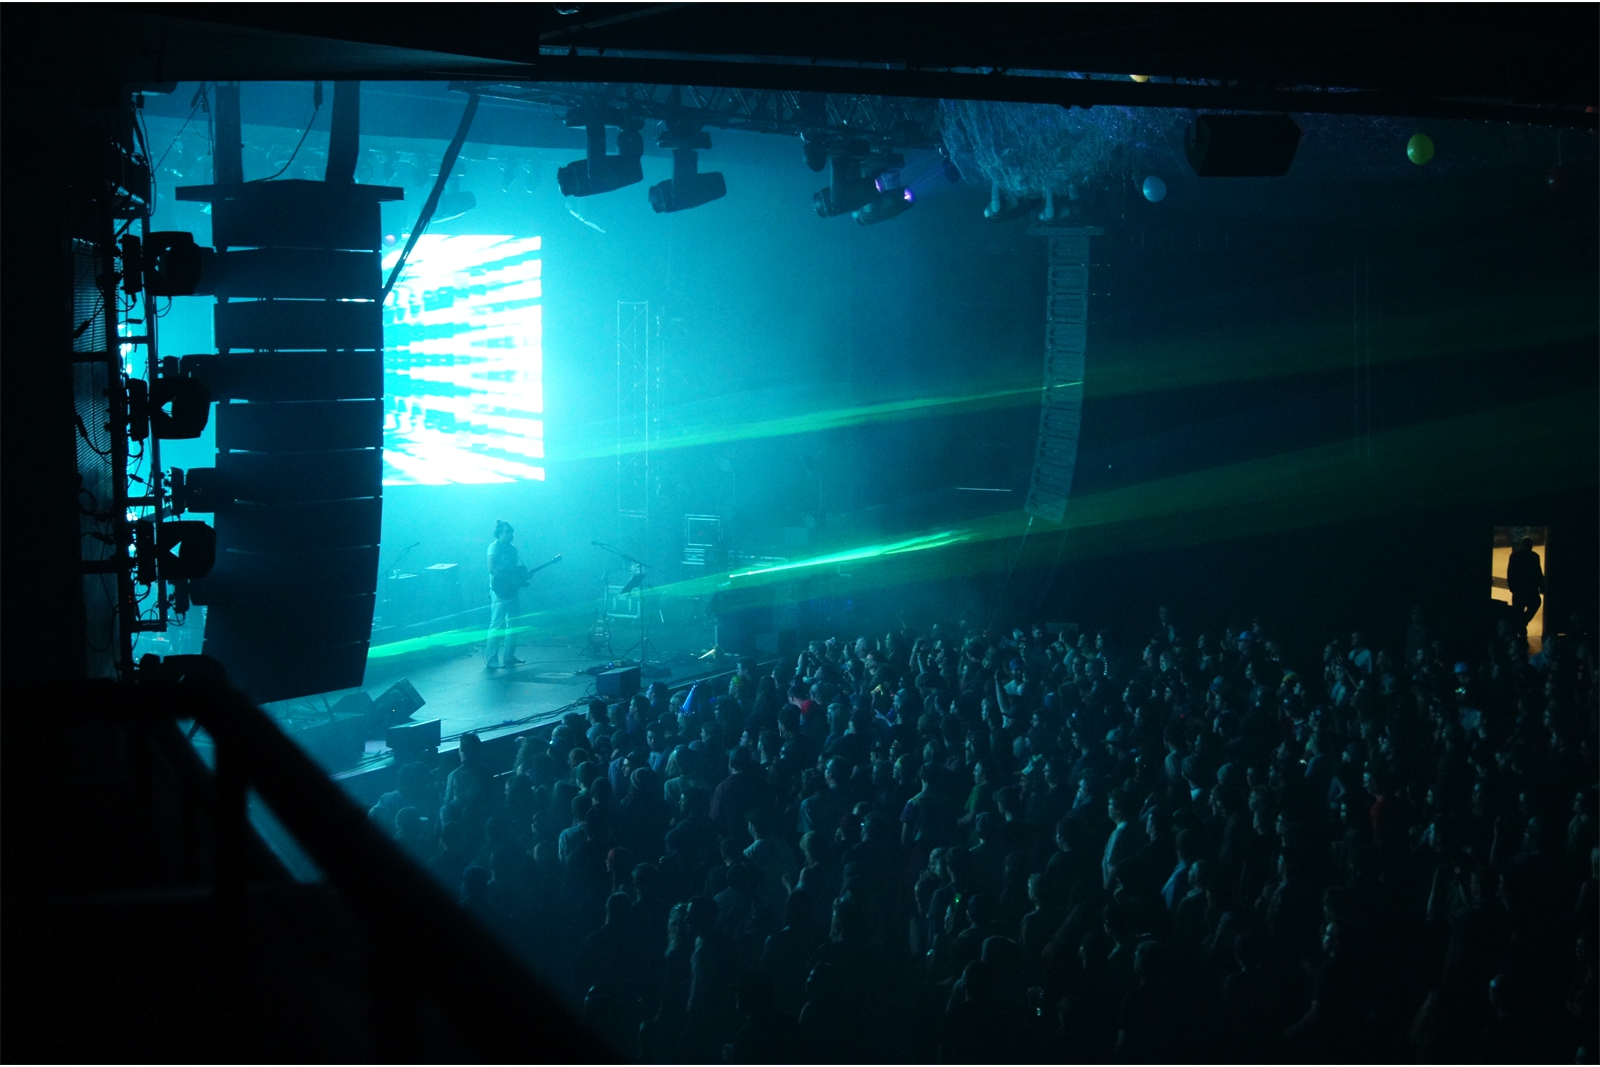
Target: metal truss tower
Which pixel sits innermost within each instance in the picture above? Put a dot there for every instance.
(636, 387)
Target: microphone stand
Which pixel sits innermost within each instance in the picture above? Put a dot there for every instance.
(644, 647)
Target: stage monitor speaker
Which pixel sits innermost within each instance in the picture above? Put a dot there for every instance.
(339, 742)
(398, 703)
(413, 741)
(619, 684)
(1242, 146)
(357, 703)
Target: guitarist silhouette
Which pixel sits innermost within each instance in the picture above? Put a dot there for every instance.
(507, 576)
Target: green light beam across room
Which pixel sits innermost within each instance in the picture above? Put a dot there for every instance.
(895, 548)
(592, 446)
(567, 619)
(1439, 463)
(1476, 323)
(1496, 320)
(1443, 462)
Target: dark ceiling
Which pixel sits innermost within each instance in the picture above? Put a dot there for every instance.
(1521, 62)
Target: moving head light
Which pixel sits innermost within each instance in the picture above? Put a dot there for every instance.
(849, 189)
(688, 187)
(598, 172)
(892, 200)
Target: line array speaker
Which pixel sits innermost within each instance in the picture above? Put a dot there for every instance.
(296, 489)
(1066, 340)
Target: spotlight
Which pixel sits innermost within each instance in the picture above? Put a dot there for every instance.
(179, 408)
(688, 187)
(174, 407)
(173, 263)
(848, 188)
(454, 204)
(598, 172)
(1004, 208)
(892, 200)
(185, 549)
(175, 550)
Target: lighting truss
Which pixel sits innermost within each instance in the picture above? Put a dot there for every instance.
(876, 120)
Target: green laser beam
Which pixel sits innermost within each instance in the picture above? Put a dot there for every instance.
(1501, 319)
(1495, 320)
(1437, 463)
(894, 548)
(812, 422)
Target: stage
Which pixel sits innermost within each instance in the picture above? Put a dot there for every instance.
(557, 675)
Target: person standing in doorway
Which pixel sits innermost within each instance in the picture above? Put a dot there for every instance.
(505, 582)
(1525, 577)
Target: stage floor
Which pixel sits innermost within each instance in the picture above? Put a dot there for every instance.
(465, 696)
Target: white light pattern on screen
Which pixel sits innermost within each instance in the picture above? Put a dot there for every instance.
(463, 363)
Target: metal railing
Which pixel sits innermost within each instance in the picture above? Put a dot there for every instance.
(496, 1008)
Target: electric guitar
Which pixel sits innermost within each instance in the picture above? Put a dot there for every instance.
(518, 579)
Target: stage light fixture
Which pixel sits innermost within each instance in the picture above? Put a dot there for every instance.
(180, 407)
(598, 172)
(885, 206)
(172, 263)
(892, 199)
(175, 406)
(185, 549)
(848, 188)
(172, 551)
(1008, 208)
(454, 204)
(688, 187)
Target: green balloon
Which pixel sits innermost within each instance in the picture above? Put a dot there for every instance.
(1419, 149)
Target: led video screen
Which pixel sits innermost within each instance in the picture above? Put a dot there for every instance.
(463, 362)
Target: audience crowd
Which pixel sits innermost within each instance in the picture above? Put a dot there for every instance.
(1049, 845)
